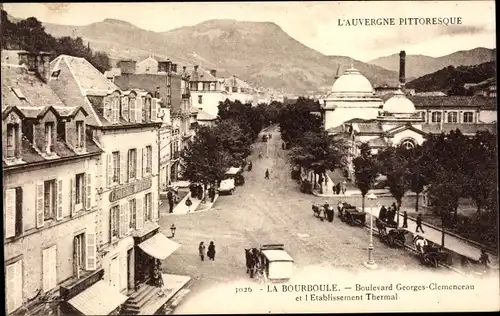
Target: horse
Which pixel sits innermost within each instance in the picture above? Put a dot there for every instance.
(253, 260)
(316, 211)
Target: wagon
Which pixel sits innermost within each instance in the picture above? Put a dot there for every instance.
(394, 237)
(352, 216)
(277, 263)
(433, 256)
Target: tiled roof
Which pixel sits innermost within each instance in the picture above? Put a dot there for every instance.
(201, 75)
(89, 78)
(377, 142)
(236, 82)
(370, 127)
(453, 102)
(204, 116)
(464, 128)
(36, 93)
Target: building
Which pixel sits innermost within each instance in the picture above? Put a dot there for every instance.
(162, 78)
(207, 91)
(240, 90)
(51, 178)
(125, 124)
(353, 111)
(486, 88)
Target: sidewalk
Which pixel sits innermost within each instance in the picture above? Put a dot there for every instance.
(434, 235)
(197, 206)
(174, 286)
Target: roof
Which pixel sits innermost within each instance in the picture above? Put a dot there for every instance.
(33, 92)
(193, 110)
(277, 255)
(201, 75)
(453, 102)
(113, 72)
(377, 142)
(370, 127)
(233, 170)
(236, 82)
(98, 299)
(464, 128)
(89, 78)
(204, 116)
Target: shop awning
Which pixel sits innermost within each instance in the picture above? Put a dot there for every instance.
(99, 299)
(159, 246)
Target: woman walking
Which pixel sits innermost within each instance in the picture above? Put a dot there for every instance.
(188, 204)
(201, 250)
(211, 251)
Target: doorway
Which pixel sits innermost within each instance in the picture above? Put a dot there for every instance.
(130, 270)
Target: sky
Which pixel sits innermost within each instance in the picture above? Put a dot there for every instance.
(315, 24)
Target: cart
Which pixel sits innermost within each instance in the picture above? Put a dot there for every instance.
(349, 214)
(432, 256)
(277, 264)
(394, 237)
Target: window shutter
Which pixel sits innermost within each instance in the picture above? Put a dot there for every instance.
(139, 163)
(132, 114)
(18, 281)
(154, 109)
(144, 161)
(127, 217)
(154, 158)
(108, 109)
(14, 281)
(89, 191)
(75, 256)
(110, 170)
(138, 109)
(139, 214)
(91, 251)
(53, 266)
(59, 206)
(121, 222)
(73, 195)
(154, 207)
(124, 108)
(19, 211)
(39, 205)
(144, 108)
(123, 167)
(10, 213)
(46, 278)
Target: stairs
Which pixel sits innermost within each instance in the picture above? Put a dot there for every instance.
(139, 298)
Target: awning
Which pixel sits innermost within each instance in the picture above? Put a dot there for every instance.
(99, 299)
(159, 246)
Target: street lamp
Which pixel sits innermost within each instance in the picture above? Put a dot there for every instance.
(371, 263)
(172, 230)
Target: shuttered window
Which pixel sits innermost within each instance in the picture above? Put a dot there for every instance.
(49, 270)
(114, 221)
(80, 132)
(79, 254)
(125, 108)
(138, 109)
(91, 251)
(14, 286)
(148, 207)
(139, 214)
(154, 109)
(49, 199)
(132, 163)
(132, 104)
(149, 159)
(13, 212)
(80, 178)
(88, 191)
(116, 167)
(12, 130)
(132, 212)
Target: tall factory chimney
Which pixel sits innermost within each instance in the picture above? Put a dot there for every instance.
(402, 62)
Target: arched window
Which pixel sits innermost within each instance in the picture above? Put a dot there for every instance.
(452, 117)
(408, 144)
(436, 117)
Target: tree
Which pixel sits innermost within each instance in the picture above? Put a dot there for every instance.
(296, 120)
(445, 195)
(366, 170)
(205, 159)
(232, 139)
(395, 164)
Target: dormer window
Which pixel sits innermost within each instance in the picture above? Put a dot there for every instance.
(235, 89)
(12, 137)
(80, 134)
(49, 134)
(55, 74)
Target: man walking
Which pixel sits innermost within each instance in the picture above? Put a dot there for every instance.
(170, 197)
(201, 250)
(419, 223)
(211, 251)
(267, 174)
(405, 219)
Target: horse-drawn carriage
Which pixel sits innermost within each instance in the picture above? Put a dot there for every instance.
(430, 255)
(271, 262)
(350, 214)
(390, 234)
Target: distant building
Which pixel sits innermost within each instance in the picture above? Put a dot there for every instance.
(430, 94)
(207, 90)
(486, 88)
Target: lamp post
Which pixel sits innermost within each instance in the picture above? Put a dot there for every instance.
(371, 263)
(172, 230)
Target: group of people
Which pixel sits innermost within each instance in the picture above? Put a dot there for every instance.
(173, 198)
(210, 252)
(388, 215)
(325, 211)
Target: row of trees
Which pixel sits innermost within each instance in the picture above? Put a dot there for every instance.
(452, 166)
(311, 147)
(227, 144)
(30, 35)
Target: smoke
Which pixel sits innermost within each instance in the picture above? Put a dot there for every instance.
(461, 30)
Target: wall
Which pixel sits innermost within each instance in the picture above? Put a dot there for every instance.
(340, 115)
(407, 134)
(210, 101)
(53, 232)
(487, 116)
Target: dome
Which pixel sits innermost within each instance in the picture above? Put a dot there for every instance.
(399, 104)
(352, 81)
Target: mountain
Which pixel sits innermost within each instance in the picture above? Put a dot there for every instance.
(451, 78)
(419, 65)
(260, 53)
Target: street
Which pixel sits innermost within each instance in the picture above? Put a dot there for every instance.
(270, 211)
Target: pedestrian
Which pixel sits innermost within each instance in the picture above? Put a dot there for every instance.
(267, 174)
(419, 223)
(333, 187)
(170, 197)
(201, 250)
(338, 188)
(211, 251)
(344, 187)
(188, 204)
(383, 213)
(405, 219)
(283, 146)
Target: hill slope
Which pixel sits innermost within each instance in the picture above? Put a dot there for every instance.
(419, 65)
(451, 78)
(258, 52)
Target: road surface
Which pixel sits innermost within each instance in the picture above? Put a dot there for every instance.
(270, 211)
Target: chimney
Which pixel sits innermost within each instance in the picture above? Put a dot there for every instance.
(213, 72)
(402, 61)
(184, 68)
(37, 62)
(127, 66)
(196, 68)
(338, 72)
